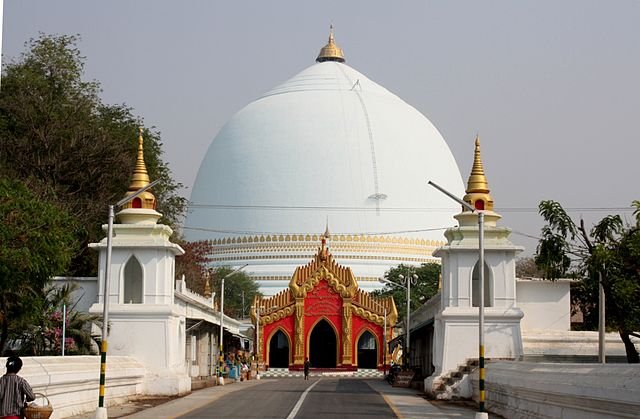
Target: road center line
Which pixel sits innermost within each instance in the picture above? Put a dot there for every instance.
(298, 405)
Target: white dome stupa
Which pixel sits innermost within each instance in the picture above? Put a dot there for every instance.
(326, 146)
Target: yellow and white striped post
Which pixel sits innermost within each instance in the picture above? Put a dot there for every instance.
(103, 371)
(481, 414)
(101, 411)
(481, 375)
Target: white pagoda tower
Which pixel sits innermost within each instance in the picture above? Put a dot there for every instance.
(143, 320)
(456, 324)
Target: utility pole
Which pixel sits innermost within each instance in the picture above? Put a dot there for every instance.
(602, 351)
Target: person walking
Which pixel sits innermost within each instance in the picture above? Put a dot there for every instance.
(14, 390)
(307, 365)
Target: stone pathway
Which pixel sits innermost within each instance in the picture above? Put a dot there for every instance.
(284, 373)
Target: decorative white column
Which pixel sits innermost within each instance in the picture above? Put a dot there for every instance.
(456, 324)
(143, 320)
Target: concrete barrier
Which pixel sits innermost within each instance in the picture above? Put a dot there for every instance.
(552, 390)
(71, 383)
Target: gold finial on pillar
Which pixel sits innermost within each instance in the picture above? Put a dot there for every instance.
(477, 186)
(327, 234)
(330, 52)
(207, 285)
(140, 179)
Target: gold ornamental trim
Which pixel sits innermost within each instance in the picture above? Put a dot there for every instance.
(360, 279)
(347, 353)
(140, 179)
(335, 238)
(278, 315)
(341, 281)
(331, 51)
(368, 315)
(478, 193)
(364, 257)
(323, 266)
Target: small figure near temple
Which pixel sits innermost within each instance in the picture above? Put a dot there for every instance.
(307, 365)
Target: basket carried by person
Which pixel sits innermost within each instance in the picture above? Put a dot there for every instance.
(35, 411)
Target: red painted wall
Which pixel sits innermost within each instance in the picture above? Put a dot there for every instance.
(288, 325)
(323, 302)
(358, 325)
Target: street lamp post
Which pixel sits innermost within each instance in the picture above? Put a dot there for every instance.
(220, 378)
(411, 279)
(101, 411)
(64, 326)
(602, 352)
(256, 346)
(481, 373)
(384, 333)
(384, 350)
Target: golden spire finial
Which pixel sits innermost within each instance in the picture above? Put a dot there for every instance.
(207, 285)
(330, 52)
(140, 175)
(140, 180)
(327, 234)
(477, 186)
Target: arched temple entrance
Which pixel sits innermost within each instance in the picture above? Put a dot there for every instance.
(323, 346)
(367, 351)
(279, 350)
(323, 316)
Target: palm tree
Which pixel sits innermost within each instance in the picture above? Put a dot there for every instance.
(43, 336)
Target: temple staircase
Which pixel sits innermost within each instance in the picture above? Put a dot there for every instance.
(454, 385)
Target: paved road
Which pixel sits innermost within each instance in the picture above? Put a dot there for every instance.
(295, 398)
(325, 397)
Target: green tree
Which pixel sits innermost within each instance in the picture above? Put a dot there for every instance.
(36, 242)
(194, 264)
(235, 287)
(609, 250)
(69, 147)
(43, 335)
(425, 288)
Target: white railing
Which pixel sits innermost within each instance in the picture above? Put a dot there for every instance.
(71, 383)
(560, 390)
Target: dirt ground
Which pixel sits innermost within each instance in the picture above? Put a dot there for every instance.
(129, 408)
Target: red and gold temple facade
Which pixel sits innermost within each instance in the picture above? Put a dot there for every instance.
(325, 317)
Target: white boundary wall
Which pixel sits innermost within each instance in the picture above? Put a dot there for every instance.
(569, 391)
(546, 304)
(72, 382)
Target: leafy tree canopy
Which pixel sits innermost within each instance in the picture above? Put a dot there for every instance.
(36, 242)
(70, 148)
(194, 264)
(425, 288)
(610, 250)
(43, 334)
(235, 287)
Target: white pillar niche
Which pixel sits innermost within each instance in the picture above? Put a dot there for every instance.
(144, 322)
(456, 325)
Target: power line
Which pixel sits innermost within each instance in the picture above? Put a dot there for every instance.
(519, 233)
(394, 209)
(276, 233)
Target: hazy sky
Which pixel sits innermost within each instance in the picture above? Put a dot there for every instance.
(552, 87)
